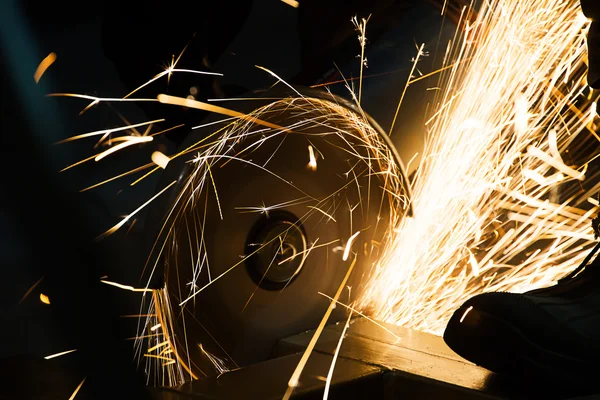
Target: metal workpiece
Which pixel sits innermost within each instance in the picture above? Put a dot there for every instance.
(269, 379)
(418, 364)
(372, 364)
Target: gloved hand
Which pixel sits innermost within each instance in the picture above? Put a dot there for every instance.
(591, 8)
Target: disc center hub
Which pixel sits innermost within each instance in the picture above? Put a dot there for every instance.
(277, 248)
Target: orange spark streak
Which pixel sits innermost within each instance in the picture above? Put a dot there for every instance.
(129, 141)
(46, 62)
(180, 101)
(28, 292)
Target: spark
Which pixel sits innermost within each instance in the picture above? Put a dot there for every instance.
(414, 65)
(292, 3)
(335, 356)
(127, 141)
(354, 310)
(160, 159)
(59, 354)
(216, 362)
(125, 287)
(44, 65)
(361, 27)
(158, 357)
(96, 100)
(180, 101)
(77, 389)
(158, 346)
(155, 327)
(307, 251)
(44, 299)
(349, 245)
(168, 72)
(273, 74)
(108, 131)
(28, 292)
(294, 380)
(468, 310)
(127, 218)
(312, 163)
(323, 212)
(133, 171)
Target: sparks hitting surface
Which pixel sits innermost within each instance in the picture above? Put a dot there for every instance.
(491, 208)
(497, 202)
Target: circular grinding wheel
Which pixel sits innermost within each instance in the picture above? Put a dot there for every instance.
(259, 221)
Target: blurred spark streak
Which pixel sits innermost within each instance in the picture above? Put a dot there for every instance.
(108, 131)
(95, 98)
(180, 101)
(137, 315)
(46, 62)
(133, 171)
(44, 299)
(155, 327)
(354, 310)
(131, 226)
(159, 357)
(59, 354)
(292, 3)
(534, 151)
(125, 287)
(160, 159)
(77, 389)
(169, 72)
(143, 336)
(158, 346)
(124, 220)
(28, 292)
(294, 380)
(335, 356)
(322, 212)
(128, 141)
(312, 163)
(468, 310)
(349, 245)
(412, 71)
(244, 99)
(214, 185)
(279, 79)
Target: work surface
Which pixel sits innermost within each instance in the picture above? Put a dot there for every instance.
(372, 363)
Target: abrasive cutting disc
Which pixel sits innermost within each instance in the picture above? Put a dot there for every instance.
(260, 219)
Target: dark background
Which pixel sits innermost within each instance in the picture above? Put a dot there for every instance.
(47, 228)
